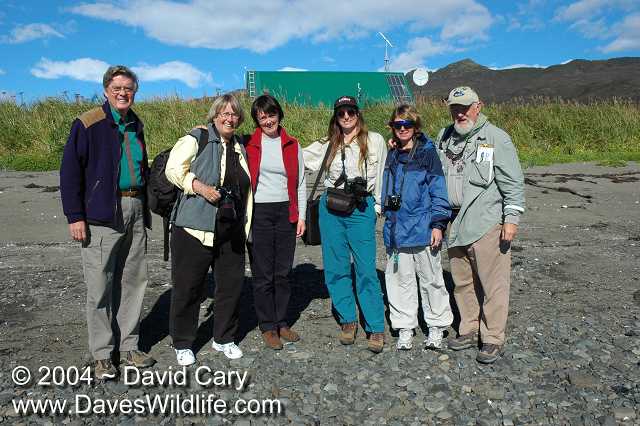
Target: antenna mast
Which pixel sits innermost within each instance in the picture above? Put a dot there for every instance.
(387, 44)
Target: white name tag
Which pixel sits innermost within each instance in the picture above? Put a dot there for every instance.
(484, 153)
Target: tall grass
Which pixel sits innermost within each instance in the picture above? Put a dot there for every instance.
(32, 137)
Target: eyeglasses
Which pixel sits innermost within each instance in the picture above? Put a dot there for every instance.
(126, 90)
(347, 111)
(407, 124)
(228, 115)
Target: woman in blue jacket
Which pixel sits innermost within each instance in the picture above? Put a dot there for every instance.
(416, 210)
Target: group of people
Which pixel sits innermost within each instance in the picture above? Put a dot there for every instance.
(250, 191)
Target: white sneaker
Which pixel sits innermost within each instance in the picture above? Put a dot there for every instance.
(434, 340)
(230, 350)
(185, 356)
(405, 339)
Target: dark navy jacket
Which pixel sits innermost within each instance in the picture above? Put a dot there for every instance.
(90, 168)
(425, 204)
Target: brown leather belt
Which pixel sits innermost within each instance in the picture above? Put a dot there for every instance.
(132, 192)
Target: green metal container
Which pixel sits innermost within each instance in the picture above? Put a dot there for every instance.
(321, 89)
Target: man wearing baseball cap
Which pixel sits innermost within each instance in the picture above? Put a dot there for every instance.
(486, 190)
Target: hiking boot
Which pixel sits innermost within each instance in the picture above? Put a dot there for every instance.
(136, 358)
(103, 369)
(434, 340)
(464, 341)
(348, 333)
(271, 340)
(230, 350)
(405, 339)
(289, 335)
(185, 357)
(376, 342)
(489, 353)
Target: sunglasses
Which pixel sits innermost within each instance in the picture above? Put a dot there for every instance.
(347, 111)
(407, 124)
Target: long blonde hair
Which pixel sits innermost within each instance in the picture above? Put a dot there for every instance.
(336, 137)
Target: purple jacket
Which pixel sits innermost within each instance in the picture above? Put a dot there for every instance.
(90, 168)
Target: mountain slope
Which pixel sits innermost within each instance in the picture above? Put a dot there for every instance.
(578, 80)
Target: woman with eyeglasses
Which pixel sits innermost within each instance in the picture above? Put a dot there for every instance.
(280, 197)
(354, 162)
(210, 223)
(416, 211)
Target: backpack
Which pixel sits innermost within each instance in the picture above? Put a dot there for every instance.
(162, 194)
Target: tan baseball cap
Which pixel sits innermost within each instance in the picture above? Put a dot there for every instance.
(462, 95)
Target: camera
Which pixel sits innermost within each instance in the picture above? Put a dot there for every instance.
(227, 205)
(356, 186)
(393, 202)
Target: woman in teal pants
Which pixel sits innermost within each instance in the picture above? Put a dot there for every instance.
(355, 163)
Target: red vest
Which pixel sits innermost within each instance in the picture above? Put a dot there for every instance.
(290, 158)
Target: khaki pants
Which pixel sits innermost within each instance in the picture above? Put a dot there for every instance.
(115, 272)
(402, 288)
(482, 275)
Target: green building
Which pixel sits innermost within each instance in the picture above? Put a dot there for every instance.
(319, 88)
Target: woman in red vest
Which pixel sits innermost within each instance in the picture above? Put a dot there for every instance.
(277, 178)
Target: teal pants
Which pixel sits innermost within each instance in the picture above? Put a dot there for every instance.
(344, 237)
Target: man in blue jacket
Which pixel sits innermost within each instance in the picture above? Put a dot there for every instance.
(102, 180)
(417, 212)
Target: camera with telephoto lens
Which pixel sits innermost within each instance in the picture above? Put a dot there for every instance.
(227, 205)
(393, 202)
(356, 186)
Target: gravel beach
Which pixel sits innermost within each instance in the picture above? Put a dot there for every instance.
(573, 335)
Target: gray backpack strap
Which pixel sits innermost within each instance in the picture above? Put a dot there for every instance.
(202, 135)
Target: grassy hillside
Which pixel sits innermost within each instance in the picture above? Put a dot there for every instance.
(32, 138)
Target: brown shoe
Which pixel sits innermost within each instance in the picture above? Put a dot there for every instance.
(137, 359)
(376, 342)
(348, 333)
(103, 369)
(289, 335)
(464, 341)
(272, 340)
(489, 353)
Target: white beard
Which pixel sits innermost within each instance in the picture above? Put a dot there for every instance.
(463, 129)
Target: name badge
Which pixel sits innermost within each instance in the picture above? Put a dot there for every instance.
(484, 153)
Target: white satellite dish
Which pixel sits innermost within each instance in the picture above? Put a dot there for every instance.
(420, 76)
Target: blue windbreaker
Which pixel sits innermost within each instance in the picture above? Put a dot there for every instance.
(424, 196)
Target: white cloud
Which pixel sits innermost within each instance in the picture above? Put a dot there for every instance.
(418, 50)
(84, 69)
(229, 27)
(591, 28)
(627, 35)
(88, 69)
(31, 32)
(592, 18)
(589, 9)
(292, 69)
(510, 67)
(2, 72)
(174, 70)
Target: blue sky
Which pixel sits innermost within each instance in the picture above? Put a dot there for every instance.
(191, 48)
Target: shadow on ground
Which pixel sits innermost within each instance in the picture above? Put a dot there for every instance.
(307, 284)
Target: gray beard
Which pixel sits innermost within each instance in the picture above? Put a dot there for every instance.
(463, 130)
